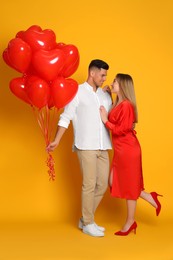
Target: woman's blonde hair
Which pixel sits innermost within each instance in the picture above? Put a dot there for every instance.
(127, 90)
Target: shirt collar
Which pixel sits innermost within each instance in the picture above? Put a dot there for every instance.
(90, 87)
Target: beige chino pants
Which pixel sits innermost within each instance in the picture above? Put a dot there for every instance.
(95, 171)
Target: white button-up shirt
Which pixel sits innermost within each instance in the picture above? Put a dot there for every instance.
(89, 131)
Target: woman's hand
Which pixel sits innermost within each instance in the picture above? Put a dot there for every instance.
(103, 114)
(107, 89)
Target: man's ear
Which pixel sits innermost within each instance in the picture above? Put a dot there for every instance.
(92, 72)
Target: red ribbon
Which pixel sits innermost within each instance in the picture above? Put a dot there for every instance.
(51, 165)
(46, 121)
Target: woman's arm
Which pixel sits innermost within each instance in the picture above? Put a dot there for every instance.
(124, 122)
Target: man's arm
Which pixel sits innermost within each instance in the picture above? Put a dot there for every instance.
(63, 123)
(59, 133)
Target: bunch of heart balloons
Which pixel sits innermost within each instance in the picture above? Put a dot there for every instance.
(45, 83)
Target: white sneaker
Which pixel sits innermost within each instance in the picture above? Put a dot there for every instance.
(80, 225)
(99, 227)
(91, 230)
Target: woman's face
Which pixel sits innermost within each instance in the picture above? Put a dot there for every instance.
(115, 86)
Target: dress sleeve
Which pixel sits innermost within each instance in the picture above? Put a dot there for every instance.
(124, 121)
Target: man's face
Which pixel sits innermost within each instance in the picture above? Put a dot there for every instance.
(98, 76)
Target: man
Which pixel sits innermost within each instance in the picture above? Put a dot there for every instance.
(91, 142)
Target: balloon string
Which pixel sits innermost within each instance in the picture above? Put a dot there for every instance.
(49, 126)
(40, 123)
(53, 120)
(46, 125)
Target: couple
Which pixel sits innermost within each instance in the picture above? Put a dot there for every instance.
(92, 123)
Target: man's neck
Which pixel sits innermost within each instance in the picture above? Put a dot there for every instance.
(92, 85)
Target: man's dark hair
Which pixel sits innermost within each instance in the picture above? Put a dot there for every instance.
(100, 64)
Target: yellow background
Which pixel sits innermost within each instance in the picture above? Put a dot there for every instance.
(38, 217)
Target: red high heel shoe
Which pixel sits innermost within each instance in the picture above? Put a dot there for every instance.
(132, 227)
(154, 196)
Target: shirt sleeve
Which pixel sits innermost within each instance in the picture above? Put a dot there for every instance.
(124, 121)
(69, 113)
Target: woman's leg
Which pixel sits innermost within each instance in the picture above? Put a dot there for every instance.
(131, 209)
(147, 197)
(111, 178)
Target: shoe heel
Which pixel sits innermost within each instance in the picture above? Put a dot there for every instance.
(132, 228)
(154, 196)
(158, 194)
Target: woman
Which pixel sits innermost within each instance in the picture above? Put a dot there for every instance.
(126, 180)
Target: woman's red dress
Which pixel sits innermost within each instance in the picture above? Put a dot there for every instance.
(127, 176)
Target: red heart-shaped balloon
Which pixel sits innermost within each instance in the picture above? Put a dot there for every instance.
(18, 55)
(60, 45)
(38, 91)
(19, 89)
(48, 64)
(71, 59)
(38, 39)
(6, 58)
(63, 91)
